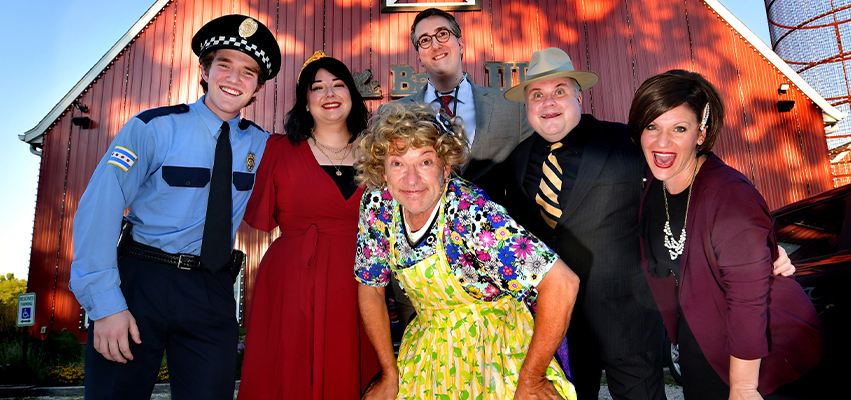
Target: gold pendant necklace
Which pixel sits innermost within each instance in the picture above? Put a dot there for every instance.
(335, 152)
(336, 167)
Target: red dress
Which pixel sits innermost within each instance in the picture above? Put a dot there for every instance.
(304, 338)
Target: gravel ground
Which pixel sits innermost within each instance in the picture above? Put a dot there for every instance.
(673, 391)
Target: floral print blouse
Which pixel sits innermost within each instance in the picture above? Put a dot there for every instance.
(489, 254)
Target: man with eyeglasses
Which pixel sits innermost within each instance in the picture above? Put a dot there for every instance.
(494, 125)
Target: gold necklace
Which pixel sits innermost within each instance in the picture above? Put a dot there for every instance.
(335, 152)
(336, 167)
(676, 247)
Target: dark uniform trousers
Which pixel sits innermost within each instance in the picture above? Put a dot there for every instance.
(189, 314)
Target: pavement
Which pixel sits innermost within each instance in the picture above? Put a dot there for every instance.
(672, 390)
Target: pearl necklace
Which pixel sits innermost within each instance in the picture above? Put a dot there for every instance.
(676, 247)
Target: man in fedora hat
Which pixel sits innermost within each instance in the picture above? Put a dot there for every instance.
(185, 173)
(576, 184)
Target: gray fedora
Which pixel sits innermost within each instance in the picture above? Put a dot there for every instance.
(549, 64)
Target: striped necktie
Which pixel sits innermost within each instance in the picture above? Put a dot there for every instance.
(548, 190)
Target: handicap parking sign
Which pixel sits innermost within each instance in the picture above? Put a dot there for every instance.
(26, 305)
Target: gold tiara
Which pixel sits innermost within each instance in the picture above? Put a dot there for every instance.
(316, 55)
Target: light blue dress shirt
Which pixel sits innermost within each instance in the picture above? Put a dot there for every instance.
(159, 165)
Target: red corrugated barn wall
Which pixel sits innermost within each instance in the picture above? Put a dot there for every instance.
(624, 41)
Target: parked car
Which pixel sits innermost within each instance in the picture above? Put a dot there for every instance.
(816, 233)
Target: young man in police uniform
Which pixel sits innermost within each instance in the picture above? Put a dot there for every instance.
(186, 173)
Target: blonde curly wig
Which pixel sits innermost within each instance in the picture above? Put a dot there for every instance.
(399, 127)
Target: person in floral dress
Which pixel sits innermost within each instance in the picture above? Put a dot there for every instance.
(471, 272)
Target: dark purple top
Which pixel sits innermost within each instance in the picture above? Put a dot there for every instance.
(732, 301)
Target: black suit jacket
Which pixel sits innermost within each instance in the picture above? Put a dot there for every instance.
(597, 236)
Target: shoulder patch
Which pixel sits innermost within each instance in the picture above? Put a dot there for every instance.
(147, 115)
(245, 123)
(122, 158)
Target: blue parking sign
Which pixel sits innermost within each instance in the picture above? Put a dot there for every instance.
(26, 306)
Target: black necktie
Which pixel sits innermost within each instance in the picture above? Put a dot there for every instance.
(216, 244)
(548, 190)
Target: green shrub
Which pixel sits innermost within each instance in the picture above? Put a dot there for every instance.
(63, 348)
(15, 367)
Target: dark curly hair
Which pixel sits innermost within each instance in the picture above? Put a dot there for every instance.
(298, 121)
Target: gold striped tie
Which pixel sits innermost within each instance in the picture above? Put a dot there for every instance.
(548, 190)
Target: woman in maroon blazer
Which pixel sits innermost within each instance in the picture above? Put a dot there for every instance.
(742, 331)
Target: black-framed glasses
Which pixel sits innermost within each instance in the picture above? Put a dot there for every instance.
(442, 36)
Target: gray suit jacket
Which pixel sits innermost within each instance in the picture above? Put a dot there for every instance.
(500, 126)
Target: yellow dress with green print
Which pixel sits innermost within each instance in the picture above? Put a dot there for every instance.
(471, 278)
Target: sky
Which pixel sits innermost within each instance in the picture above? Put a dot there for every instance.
(48, 46)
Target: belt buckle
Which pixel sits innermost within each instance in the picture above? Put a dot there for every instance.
(184, 259)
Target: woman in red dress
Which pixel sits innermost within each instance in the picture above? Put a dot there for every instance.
(304, 337)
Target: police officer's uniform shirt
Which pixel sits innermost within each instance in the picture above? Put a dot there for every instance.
(159, 165)
(465, 109)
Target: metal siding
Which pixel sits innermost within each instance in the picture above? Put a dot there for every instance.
(510, 34)
(80, 166)
(610, 56)
(784, 154)
(561, 24)
(43, 259)
(714, 58)
(660, 38)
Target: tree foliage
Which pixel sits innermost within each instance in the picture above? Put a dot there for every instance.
(10, 288)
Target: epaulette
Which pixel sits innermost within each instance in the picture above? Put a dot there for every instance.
(147, 115)
(245, 123)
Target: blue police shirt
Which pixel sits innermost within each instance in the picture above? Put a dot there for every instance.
(159, 165)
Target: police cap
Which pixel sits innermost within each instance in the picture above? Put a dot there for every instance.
(239, 32)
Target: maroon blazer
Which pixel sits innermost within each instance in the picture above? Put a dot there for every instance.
(733, 302)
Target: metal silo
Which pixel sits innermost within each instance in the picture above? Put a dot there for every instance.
(814, 38)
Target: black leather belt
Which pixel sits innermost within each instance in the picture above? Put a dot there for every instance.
(148, 253)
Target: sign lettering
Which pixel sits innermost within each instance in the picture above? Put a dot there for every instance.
(501, 75)
(26, 309)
